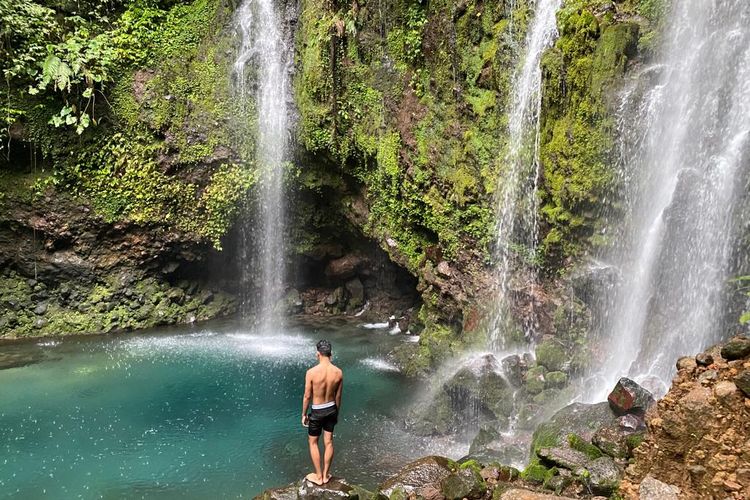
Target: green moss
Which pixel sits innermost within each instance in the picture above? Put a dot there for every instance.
(577, 126)
(551, 355)
(578, 443)
(537, 473)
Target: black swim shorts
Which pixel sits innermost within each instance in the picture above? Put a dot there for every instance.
(322, 420)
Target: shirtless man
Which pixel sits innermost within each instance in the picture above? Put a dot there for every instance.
(323, 384)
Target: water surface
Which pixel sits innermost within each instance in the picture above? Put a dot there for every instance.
(193, 412)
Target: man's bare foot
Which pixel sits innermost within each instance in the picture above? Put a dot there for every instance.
(314, 478)
(328, 478)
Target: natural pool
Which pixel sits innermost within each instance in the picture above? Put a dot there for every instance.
(211, 410)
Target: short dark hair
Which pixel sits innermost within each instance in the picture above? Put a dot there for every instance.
(324, 347)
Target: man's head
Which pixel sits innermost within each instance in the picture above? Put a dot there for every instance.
(324, 348)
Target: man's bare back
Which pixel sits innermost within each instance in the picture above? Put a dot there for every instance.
(325, 380)
(324, 384)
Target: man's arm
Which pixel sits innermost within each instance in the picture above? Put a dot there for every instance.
(338, 393)
(307, 396)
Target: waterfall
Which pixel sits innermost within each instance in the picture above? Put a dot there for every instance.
(262, 76)
(517, 200)
(685, 158)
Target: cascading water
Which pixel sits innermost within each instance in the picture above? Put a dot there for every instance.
(482, 387)
(261, 75)
(516, 225)
(686, 156)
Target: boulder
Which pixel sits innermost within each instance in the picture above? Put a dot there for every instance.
(464, 483)
(563, 457)
(602, 475)
(344, 268)
(40, 309)
(481, 388)
(737, 348)
(578, 418)
(356, 293)
(284, 493)
(334, 489)
(724, 390)
(629, 397)
(513, 367)
(616, 441)
(519, 494)
(653, 489)
(427, 471)
(742, 381)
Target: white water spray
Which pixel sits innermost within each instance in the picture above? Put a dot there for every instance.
(687, 156)
(261, 72)
(517, 202)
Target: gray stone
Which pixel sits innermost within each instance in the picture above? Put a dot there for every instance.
(464, 483)
(708, 376)
(41, 309)
(334, 489)
(577, 418)
(418, 474)
(563, 457)
(602, 475)
(653, 489)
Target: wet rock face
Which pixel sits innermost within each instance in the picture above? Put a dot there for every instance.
(425, 471)
(65, 270)
(629, 397)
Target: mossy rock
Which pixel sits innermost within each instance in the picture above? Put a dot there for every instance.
(551, 355)
(555, 380)
(535, 379)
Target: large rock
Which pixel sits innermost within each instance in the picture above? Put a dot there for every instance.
(629, 397)
(603, 475)
(336, 489)
(653, 489)
(563, 457)
(618, 439)
(742, 381)
(737, 348)
(344, 268)
(519, 494)
(427, 471)
(284, 493)
(464, 483)
(580, 419)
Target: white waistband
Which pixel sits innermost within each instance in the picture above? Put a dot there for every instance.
(323, 406)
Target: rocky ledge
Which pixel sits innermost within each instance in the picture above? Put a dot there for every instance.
(699, 440)
(581, 452)
(66, 270)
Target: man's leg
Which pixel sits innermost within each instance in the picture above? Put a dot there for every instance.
(328, 456)
(316, 477)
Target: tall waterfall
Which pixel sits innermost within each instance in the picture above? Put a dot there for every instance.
(517, 202)
(685, 159)
(261, 75)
